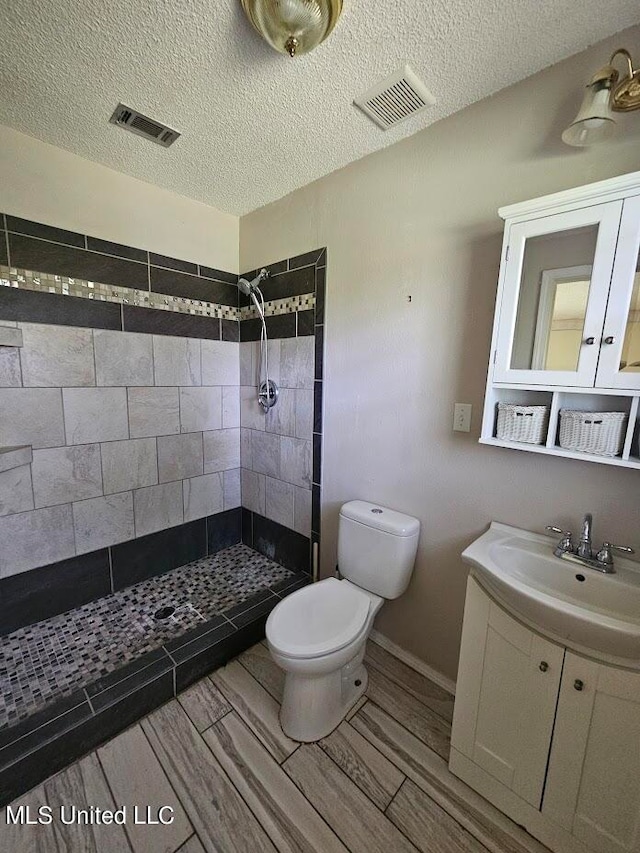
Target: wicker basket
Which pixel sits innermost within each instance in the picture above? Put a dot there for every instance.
(526, 424)
(598, 433)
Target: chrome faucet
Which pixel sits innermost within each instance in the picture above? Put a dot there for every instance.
(584, 545)
(582, 553)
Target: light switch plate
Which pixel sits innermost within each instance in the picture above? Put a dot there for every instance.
(462, 417)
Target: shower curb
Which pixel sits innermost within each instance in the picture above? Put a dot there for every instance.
(49, 740)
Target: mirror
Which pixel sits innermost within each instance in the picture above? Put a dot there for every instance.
(630, 358)
(552, 300)
(560, 323)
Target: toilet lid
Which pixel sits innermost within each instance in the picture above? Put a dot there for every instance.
(318, 619)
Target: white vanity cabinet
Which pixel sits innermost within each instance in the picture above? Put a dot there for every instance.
(551, 737)
(567, 321)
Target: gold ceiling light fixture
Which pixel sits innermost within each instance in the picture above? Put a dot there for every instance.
(293, 26)
(606, 93)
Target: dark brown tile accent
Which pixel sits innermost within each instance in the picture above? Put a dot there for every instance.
(281, 326)
(230, 330)
(41, 256)
(305, 260)
(317, 406)
(45, 232)
(218, 275)
(305, 323)
(247, 527)
(3, 249)
(157, 322)
(173, 263)
(315, 509)
(53, 589)
(117, 250)
(286, 547)
(192, 287)
(317, 457)
(319, 354)
(158, 553)
(293, 283)
(272, 269)
(223, 530)
(320, 294)
(32, 306)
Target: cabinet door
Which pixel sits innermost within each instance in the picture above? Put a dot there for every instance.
(619, 365)
(593, 784)
(506, 696)
(554, 296)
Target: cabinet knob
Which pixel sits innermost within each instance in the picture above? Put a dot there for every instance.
(578, 684)
(590, 341)
(544, 666)
(609, 339)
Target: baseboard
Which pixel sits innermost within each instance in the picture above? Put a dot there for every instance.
(412, 661)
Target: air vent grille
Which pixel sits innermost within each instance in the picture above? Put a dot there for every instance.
(396, 98)
(143, 126)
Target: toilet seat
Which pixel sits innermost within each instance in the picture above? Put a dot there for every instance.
(318, 619)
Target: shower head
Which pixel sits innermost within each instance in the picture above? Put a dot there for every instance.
(249, 287)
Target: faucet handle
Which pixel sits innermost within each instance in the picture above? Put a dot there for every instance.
(566, 541)
(604, 555)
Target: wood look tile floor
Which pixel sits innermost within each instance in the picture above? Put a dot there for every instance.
(218, 757)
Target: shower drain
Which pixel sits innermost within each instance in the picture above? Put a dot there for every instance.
(164, 612)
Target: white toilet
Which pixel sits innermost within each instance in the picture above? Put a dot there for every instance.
(317, 635)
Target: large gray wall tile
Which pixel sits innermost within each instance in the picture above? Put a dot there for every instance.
(10, 374)
(220, 362)
(57, 356)
(64, 474)
(16, 494)
(279, 501)
(31, 416)
(230, 406)
(157, 507)
(100, 522)
(176, 360)
(253, 488)
(202, 496)
(123, 358)
(295, 461)
(297, 362)
(153, 411)
(200, 409)
(302, 510)
(129, 464)
(281, 418)
(248, 363)
(221, 450)
(251, 414)
(304, 414)
(246, 454)
(180, 456)
(95, 414)
(274, 356)
(232, 489)
(33, 539)
(265, 450)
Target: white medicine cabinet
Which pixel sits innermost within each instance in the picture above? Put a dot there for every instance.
(567, 323)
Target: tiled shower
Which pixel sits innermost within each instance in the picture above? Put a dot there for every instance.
(153, 515)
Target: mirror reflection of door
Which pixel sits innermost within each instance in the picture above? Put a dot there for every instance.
(560, 320)
(630, 358)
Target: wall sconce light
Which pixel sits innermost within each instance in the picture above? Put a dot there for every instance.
(293, 26)
(605, 94)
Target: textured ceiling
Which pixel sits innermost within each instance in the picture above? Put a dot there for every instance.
(257, 125)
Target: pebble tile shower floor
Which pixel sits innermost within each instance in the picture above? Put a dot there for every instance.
(53, 658)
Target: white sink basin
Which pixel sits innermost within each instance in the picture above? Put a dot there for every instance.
(582, 607)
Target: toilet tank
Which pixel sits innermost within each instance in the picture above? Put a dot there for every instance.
(377, 547)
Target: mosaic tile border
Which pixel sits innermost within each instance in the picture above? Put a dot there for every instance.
(98, 292)
(280, 306)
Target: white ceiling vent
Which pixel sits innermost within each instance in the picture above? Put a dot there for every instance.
(144, 126)
(396, 98)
